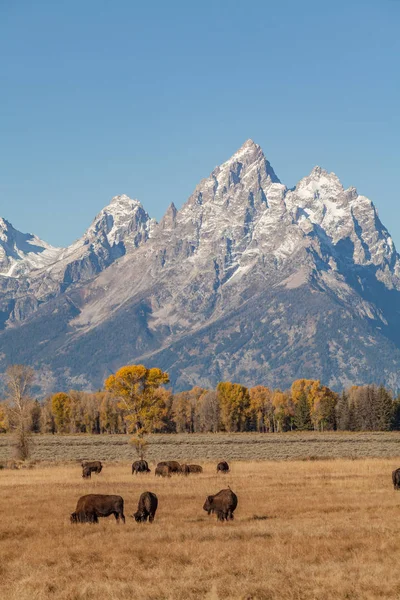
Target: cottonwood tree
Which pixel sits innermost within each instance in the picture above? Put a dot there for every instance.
(261, 408)
(209, 412)
(234, 401)
(137, 390)
(19, 381)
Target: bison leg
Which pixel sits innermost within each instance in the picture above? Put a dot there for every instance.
(151, 517)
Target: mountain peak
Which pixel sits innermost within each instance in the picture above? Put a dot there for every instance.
(248, 152)
(169, 218)
(123, 199)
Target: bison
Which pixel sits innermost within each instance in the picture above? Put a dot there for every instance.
(95, 466)
(93, 506)
(195, 469)
(86, 473)
(224, 504)
(222, 467)
(173, 465)
(396, 479)
(147, 507)
(140, 466)
(187, 469)
(162, 471)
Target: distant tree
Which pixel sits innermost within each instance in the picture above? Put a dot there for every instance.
(61, 407)
(185, 410)
(19, 381)
(343, 412)
(323, 410)
(302, 415)
(208, 412)
(110, 415)
(136, 389)
(283, 418)
(234, 403)
(48, 424)
(36, 417)
(262, 408)
(385, 409)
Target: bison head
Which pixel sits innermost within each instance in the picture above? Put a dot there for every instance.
(74, 517)
(208, 504)
(138, 516)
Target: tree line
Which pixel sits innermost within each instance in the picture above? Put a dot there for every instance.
(135, 400)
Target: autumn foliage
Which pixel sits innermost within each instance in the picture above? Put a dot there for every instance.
(135, 400)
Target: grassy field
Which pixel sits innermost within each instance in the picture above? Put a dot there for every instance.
(302, 530)
(207, 447)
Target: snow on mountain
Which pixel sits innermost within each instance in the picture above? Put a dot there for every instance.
(119, 227)
(20, 253)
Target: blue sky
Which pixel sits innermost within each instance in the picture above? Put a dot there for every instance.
(103, 98)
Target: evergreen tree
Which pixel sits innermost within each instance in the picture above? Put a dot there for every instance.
(343, 412)
(36, 417)
(302, 415)
(385, 409)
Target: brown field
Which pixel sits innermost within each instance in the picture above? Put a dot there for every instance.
(302, 530)
(207, 447)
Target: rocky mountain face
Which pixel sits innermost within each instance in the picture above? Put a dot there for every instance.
(248, 281)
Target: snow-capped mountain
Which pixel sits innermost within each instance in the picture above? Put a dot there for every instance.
(20, 253)
(248, 281)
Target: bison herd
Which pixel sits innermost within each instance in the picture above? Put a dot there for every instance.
(92, 506)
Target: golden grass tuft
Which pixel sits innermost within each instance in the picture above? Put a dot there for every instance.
(302, 530)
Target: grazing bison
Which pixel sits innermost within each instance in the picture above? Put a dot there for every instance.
(86, 473)
(95, 466)
(195, 469)
(224, 504)
(173, 465)
(222, 467)
(93, 506)
(396, 479)
(147, 507)
(187, 469)
(162, 471)
(140, 466)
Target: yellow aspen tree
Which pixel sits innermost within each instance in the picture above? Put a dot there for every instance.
(135, 387)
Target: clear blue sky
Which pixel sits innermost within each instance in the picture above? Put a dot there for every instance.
(146, 98)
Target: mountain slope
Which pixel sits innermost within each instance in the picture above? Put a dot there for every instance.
(247, 281)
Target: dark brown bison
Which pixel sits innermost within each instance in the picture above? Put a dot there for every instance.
(147, 507)
(222, 467)
(396, 479)
(95, 466)
(173, 465)
(86, 473)
(224, 504)
(140, 466)
(195, 469)
(162, 471)
(187, 469)
(93, 506)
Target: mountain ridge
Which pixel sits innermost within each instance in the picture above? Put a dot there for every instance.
(196, 290)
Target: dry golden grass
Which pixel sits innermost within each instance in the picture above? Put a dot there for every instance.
(302, 530)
